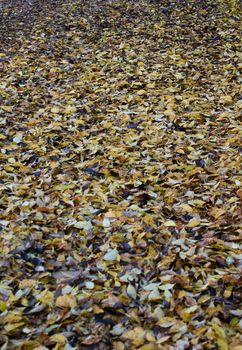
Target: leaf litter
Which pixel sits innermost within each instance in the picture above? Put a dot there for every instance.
(121, 177)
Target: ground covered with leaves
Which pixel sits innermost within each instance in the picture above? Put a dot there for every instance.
(121, 177)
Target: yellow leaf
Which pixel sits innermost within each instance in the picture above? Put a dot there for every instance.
(151, 85)
(217, 212)
(11, 326)
(181, 294)
(219, 331)
(27, 283)
(58, 338)
(180, 150)
(147, 347)
(70, 110)
(7, 108)
(186, 314)
(193, 223)
(46, 297)
(170, 223)
(203, 299)
(222, 344)
(152, 253)
(141, 92)
(149, 220)
(150, 336)
(118, 345)
(199, 136)
(170, 114)
(55, 110)
(79, 121)
(12, 318)
(67, 300)
(226, 99)
(187, 207)
(3, 306)
(136, 335)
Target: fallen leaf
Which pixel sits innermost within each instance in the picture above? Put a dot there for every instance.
(193, 223)
(131, 291)
(58, 338)
(67, 300)
(111, 255)
(136, 335)
(70, 110)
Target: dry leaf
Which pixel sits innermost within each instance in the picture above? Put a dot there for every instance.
(111, 255)
(67, 300)
(120, 176)
(193, 223)
(131, 291)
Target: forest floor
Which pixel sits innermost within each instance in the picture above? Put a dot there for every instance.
(120, 175)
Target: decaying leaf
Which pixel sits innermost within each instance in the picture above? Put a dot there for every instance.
(120, 175)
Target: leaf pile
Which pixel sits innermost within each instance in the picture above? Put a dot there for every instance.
(120, 178)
